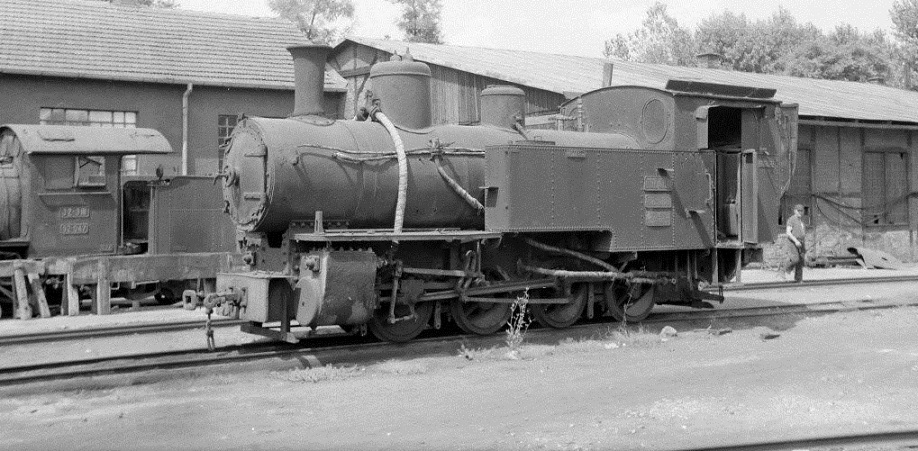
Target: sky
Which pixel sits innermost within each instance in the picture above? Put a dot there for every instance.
(573, 27)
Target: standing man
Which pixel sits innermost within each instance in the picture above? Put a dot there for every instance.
(796, 232)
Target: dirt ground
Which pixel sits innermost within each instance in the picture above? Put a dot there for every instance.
(839, 374)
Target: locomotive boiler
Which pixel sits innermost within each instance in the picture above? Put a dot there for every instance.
(390, 223)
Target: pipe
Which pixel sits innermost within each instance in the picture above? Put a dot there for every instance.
(521, 129)
(458, 188)
(575, 254)
(402, 171)
(185, 97)
(591, 276)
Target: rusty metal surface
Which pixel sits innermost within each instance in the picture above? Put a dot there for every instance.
(403, 89)
(644, 199)
(566, 73)
(336, 288)
(282, 170)
(141, 268)
(81, 140)
(265, 294)
(186, 215)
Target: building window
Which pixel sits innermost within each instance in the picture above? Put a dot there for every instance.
(886, 187)
(225, 125)
(94, 118)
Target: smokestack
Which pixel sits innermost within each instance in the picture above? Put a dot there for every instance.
(309, 78)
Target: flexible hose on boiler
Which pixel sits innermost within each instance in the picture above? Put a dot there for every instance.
(572, 253)
(402, 171)
(458, 189)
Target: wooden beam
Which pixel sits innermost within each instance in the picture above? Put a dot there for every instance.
(23, 309)
(350, 73)
(102, 300)
(71, 298)
(40, 298)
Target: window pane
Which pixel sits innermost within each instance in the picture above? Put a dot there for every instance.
(130, 117)
(129, 165)
(90, 171)
(118, 117)
(44, 115)
(57, 116)
(76, 117)
(100, 117)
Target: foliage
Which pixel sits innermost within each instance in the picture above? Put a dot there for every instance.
(753, 46)
(660, 41)
(845, 54)
(420, 20)
(318, 374)
(904, 14)
(779, 45)
(320, 20)
(518, 324)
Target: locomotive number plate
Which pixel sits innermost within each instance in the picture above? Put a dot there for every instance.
(658, 218)
(75, 228)
(74, 212)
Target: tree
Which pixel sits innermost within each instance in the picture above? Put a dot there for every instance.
(754, 46)
(660, 40)
(320, 20)
(420, 20)
(904, 15)
(844, 54)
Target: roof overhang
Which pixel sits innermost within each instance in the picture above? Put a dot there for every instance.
(280, 86)
(83, 140)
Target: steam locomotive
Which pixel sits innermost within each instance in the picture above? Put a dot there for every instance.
(391, 224)
(73, 227)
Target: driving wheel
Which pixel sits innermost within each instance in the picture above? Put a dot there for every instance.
(629, 303)
(404, 329)
(560, 316)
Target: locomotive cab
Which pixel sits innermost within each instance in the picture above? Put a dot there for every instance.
(61, 187)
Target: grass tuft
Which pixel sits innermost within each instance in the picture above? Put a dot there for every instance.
(318, 374)
(518, 325)
(402, 368)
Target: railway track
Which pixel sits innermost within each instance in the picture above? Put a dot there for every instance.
(84, 334)
(816, 283)
(99, 332)
(327, 349)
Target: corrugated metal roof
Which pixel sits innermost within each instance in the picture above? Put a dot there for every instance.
(106, 41)
(565, 73)
(75, 139)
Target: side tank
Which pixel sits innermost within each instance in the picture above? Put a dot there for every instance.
(282, 170)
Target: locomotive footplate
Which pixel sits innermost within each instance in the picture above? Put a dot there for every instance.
(389, 235)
